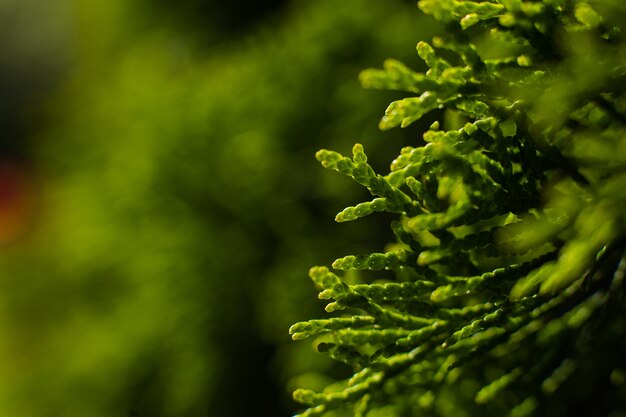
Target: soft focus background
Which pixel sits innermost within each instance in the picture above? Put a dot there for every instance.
(160, 203)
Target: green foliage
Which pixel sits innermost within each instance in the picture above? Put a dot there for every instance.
(507, 276)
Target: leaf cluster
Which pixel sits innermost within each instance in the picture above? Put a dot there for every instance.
(510, 229)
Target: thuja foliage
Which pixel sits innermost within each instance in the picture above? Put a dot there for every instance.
(507, 282)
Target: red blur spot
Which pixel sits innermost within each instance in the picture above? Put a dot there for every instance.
(16, 201)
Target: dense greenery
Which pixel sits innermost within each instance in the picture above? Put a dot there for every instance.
(505, 295)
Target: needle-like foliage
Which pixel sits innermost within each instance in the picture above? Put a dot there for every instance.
(506, 296)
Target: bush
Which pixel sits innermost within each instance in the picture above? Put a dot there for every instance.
(507, 283)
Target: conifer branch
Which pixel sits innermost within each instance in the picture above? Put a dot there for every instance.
(509, 228)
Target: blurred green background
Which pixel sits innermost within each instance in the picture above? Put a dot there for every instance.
(160, 203)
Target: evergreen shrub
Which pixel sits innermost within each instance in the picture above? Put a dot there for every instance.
(503, 292)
